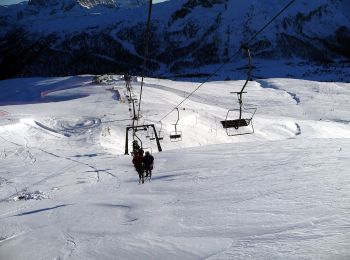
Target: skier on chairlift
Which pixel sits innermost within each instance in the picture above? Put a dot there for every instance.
(135, 147)
(148, 164)
(138, 164)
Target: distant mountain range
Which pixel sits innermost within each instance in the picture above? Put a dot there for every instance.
(68, 37)
(66, 5)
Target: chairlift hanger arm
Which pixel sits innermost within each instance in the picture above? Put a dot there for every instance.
(178, 116)
(249, 72)
(161, 126)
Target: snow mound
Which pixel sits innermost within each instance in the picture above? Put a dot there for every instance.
(35, 195)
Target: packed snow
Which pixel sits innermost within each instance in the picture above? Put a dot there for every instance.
(67, 191)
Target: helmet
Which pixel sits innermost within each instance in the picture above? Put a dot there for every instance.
(147, 152)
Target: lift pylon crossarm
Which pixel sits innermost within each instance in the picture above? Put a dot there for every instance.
(238, 92)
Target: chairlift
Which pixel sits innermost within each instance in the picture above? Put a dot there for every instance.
(176, 136)
(136, 137)
(239, 121)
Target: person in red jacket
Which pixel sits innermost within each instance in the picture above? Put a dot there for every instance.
(138, 164)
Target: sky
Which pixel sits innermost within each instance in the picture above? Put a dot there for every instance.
(7, 2)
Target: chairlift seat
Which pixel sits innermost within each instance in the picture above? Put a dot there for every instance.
(175, 136)
(159, 138)
(236, 123)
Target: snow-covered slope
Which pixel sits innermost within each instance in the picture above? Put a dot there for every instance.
(186, 35)
(282, 193)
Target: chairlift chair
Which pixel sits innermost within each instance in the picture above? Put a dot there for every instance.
(176, 136)
(241, 124)
(239, 121)
(138, 137)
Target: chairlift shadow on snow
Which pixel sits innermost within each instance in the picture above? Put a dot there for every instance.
(41, 210)
(168, 177)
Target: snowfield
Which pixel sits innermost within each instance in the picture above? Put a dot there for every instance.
(68, 192)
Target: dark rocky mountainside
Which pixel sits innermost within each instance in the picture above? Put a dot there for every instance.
(55, 38)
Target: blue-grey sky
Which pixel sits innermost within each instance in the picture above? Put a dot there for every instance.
(8, 2)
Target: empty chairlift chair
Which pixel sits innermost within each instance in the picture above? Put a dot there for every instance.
(240, 121)
(176, 136)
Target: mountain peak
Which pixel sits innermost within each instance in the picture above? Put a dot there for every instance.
(86, 3)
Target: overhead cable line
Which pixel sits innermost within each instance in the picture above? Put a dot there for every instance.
(230, 58)
(146, 42)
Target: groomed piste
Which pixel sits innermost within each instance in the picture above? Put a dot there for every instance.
(67, 191)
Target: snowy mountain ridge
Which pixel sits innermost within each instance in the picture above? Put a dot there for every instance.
(186, 35)
(67, 4)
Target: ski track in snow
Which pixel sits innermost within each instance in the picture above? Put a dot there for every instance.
(282, 193)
